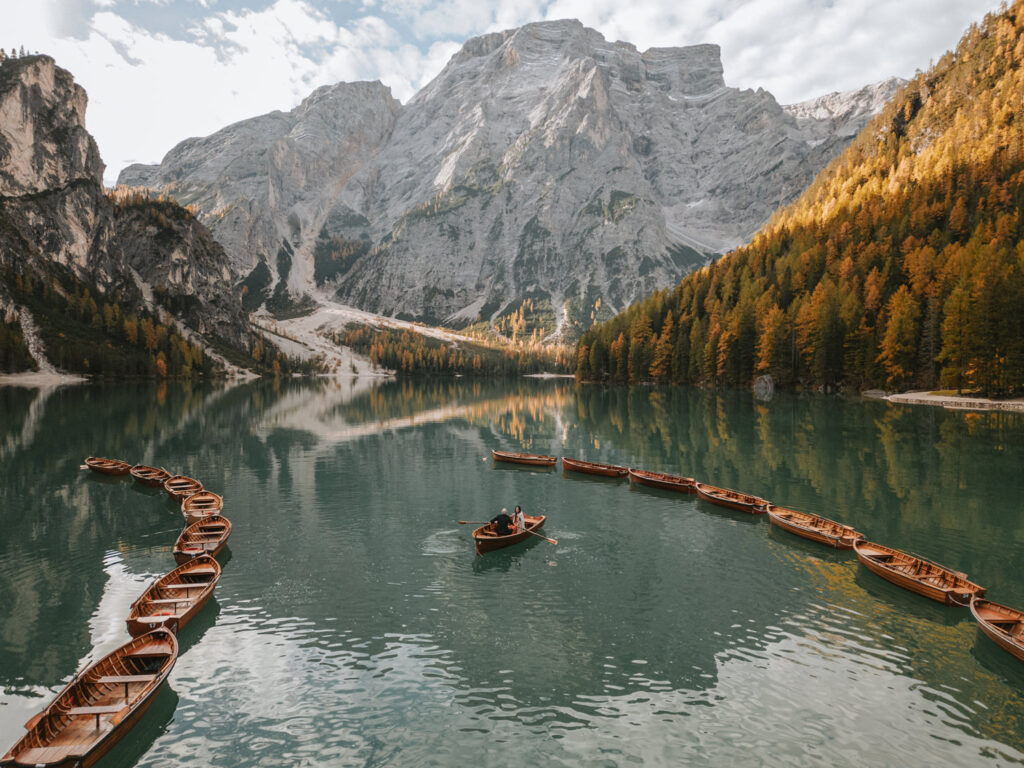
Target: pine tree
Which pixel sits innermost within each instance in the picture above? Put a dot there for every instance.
(661, 363)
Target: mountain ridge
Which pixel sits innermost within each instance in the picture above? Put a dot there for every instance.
(544, 166)
(899, 266)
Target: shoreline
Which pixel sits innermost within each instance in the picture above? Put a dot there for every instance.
(40, 379)
(957, 402)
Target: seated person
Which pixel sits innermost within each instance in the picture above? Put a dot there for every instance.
(520, 519)
(502, 523)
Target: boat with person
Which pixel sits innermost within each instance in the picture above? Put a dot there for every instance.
(208, 536)
(725, 497)
(532, 459)
(107, 466)
(917, 574)
(175, 598)
(813, 527)
(152, 476)
(182, 486)
(201, 506)
(487, 540)
(98, 707)
(1001, 624)
(594, 468)
(663, 481)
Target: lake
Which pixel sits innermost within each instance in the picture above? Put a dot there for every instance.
(355, 625)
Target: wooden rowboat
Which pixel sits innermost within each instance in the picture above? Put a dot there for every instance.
(533, 459)
(108, 466)
(182, 486)
(486, 540)
(201, 506)
(813, 527)
(205, 537)
(659, 480)
(724, 497)
(150, 476)
(1003, 625)
(917, 574)
(594, 468)
(176, 597)
(98, 707)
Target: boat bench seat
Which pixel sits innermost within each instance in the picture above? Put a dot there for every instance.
(156, 619)
(168, 600)
(102, 709)
(150, 652)
(193, 585)
(126, 680)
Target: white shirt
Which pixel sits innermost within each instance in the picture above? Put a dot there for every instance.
(520, 519)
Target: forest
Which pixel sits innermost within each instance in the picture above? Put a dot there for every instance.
(408, 352)
(84, 333)
(901, 266)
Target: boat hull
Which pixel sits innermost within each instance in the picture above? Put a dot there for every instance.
(194, 542)
(485, 543)
(662, 481)
(724, 497)
(146, 614)
(201, 506)
(68, 742)
(182, 486)
(530, 459)
(958, 594)
(840, 537)
(108, 466)
(988, 614)
(151, 476)
(594, 468)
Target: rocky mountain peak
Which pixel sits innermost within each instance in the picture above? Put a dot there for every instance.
(61, 229)
(43, 141)
(543, 166)
(845, 111)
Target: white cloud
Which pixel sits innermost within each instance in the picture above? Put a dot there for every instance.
(149, 90)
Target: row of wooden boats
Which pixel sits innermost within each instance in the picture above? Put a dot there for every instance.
(197, 503)
(1004, 625)
(101, 704)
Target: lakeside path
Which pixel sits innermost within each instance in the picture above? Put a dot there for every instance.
(957, 402)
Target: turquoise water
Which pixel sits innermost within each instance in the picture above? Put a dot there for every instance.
(354, 624)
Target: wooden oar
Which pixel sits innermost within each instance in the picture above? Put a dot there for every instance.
(551, 541)
(471, 522)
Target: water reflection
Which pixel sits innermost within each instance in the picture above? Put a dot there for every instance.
(355, 623)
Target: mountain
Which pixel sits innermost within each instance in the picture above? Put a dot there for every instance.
(81, 272)
(546, 176)
(902, 265)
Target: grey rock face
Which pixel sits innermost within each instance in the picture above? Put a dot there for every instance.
(43, 141)
(844, 114)
(543, 164)
(277, 178)
(54, 213)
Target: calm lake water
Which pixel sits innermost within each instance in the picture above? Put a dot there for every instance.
(355, 625)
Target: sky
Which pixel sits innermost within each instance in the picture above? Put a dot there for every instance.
(160, 71)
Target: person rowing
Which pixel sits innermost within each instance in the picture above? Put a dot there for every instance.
(501, 523)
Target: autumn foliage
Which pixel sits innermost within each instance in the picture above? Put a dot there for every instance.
(410, 352)
(902, 265)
